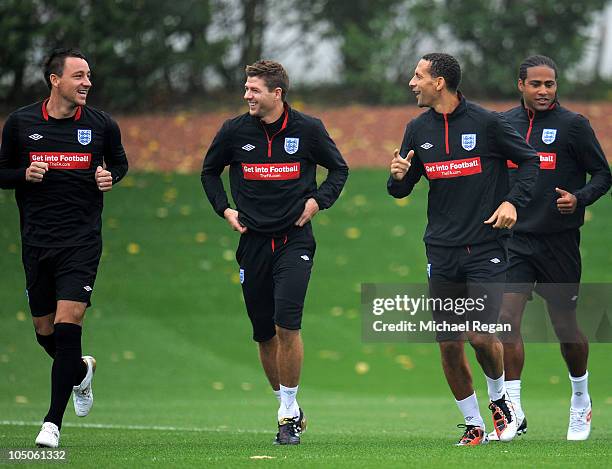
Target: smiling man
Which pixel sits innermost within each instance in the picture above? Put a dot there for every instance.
(461, 149)
(544, 251)
(60, 156)
(273, 152)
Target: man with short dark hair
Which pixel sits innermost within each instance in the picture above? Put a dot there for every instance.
(60, 156)
(273, 152)
(462, 150)
(544, 251)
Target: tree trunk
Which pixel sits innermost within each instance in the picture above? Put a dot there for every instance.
(253, 17)
(601, 45)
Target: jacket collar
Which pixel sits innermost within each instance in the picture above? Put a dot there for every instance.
(537, 114)
(458, 111)
(288, 112)
(45, 114)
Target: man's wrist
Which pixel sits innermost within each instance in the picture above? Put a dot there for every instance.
(221, 211)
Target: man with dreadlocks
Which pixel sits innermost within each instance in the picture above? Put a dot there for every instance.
(544, 251)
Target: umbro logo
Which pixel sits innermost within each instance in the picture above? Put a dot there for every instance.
(35, 136)
(495, 260)
(305, 257)
(87, 288)
(426, 146)
(248, 147)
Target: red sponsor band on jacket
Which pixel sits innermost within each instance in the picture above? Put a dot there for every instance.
(62, 160)
(453, 168)
(547, 161)
(270, 171)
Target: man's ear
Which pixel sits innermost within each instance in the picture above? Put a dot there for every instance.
(54, 79)
(521, 85)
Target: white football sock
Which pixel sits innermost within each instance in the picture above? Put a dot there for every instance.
(496, 387)
(471, 412)
(513, 389)
(288, 405)
(580, 391)
(277, 394)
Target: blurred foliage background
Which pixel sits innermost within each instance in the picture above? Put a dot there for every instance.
(181, 54)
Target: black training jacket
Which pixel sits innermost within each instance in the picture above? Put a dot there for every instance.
(65, 209)
(463, 155)
(272, 176)
(568, 150)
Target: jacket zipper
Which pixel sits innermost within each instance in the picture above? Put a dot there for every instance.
(531, 116)
(446, 133)
(270, 139)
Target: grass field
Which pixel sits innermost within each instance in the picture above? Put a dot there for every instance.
(178, 380)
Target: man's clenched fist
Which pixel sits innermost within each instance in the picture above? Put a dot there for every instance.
(36, 171)
(104, 179)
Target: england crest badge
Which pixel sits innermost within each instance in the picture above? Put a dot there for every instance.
(291, 145)
(468, 141)
(549, 135)
(84, 136)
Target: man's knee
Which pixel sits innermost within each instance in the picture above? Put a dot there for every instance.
(482, 340)
(569, 334)
(511, 313)
(287, 335)
(451, 351)
(512, 308)
(71, 312)
(269, 344)
(43, 325)
(565, 325)
(512, 336)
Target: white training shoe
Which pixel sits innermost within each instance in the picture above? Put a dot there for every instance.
(579, 424)
(522, 429)
(49, 436)
(82, 395)
(504, 419)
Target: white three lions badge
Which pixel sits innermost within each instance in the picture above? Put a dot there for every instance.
(84, 136)
(549, 135)
(291, 145)
(468, 141)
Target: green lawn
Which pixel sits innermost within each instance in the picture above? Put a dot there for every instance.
(178, 379)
